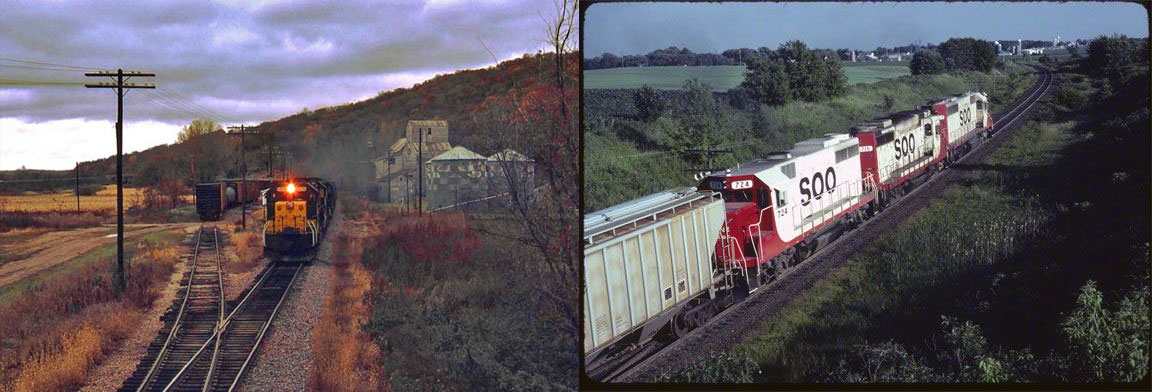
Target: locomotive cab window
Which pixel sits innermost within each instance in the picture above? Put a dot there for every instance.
(927, 129)
(979, 105)
(789, 170)
(763, 198)
(738, 196)
(847, 153)
(781, 198)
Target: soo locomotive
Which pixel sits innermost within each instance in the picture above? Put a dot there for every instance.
(666, 263)
(298, 213)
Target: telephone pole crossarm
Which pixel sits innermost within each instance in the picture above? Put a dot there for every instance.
(119, 85)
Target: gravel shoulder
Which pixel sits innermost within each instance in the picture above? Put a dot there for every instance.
(284, 361)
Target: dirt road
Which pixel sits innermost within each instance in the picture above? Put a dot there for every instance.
(53, 248)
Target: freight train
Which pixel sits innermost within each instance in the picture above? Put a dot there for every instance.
(298, 212)
(666, 263)
(212, 198)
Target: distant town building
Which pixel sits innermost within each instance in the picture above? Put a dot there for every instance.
(397, 169)
(453, 175)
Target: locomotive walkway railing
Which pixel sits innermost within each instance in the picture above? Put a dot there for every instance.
(824, 208)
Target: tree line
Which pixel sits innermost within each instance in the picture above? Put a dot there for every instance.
(674, 56)
(955, 55)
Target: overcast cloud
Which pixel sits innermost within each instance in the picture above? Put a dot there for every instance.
(230, 61)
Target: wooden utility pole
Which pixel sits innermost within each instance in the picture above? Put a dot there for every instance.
(242, 130)
(708, 153)
(118, 77)
(77, 186)
(420, 174)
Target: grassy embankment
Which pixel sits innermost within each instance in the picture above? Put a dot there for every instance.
(720, 77)
(60, 323)
(982, 285)
(626, 158)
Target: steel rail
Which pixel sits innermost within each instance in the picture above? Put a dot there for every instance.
(215, 337)
(260, 337)
(179, 316)
(219, 320)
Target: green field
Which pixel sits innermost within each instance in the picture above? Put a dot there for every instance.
(720, 77)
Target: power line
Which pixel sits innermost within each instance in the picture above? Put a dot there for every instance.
(42, 68)
(182, 107)
(16, 82)
(56, 179)
(54, 64)
(192, 103)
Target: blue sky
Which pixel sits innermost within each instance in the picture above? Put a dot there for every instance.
(638, 28)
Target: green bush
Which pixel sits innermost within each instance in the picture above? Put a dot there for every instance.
(89, 189)
(717, 367)
(1108, 345)
(794, 72)
(926, 62)
(1102, 346)
(1069, 97)
(650, 104)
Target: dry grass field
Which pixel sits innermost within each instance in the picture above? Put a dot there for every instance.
(65, 201)
(56, 328)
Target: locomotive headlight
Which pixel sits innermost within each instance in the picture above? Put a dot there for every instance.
(291, 188)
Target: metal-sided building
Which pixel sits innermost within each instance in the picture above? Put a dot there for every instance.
(396, 170)
(462, 179)
(454, 176)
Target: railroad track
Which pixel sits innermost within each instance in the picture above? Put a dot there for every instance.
(730, 326)
(199, 351)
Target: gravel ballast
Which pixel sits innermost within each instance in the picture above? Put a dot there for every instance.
(284, 360)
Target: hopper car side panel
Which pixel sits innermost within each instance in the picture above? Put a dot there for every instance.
(637, 281)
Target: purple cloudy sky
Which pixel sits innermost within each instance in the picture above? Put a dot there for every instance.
(230, 61)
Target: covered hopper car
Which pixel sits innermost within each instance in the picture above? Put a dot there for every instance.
(645, 261)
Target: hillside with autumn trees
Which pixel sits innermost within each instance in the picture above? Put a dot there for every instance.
(329, 142)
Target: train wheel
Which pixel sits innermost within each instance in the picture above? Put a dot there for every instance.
(802, 253)
(680, 326)
(700, 317)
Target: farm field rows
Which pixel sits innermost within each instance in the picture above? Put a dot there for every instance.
(65, 200)
(720, 77)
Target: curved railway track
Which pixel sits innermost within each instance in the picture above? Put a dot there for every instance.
(729, 326)
(202, 348)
